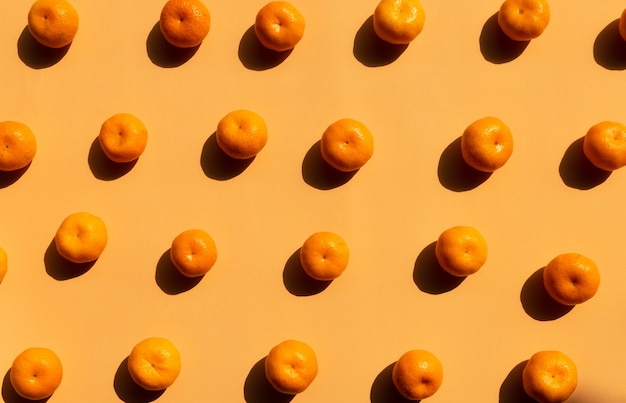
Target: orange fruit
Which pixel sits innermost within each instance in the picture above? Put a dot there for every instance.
(461, 250)
(81, 237)
(53, 23)
(241, 134)
(291, 366)
(279, 26)
(604, 145)
(571, 278)
(622, 25)
(347, 145)
(123, 137)
(487, 144)
(324, 256)
(523, 20)
(398, 21)
(3, 264)
(417, 374)
(18, 146)
(154, 363)
(185, 23)
(549, 377)
(193, 252)
(36, 373)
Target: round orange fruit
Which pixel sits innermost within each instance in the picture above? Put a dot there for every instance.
(487, 144)
(523, 20)
(604, 145)
(53, 23)
(4, 266)
(193, 252)
(398, 21)
(324, 256)
(549, 377)
(417, 374)
(622, 25)
(571, 278)
(123, 137)
(291, 366)
(36, 373)
(241, 134)
(347, 145)
(461, 250)
(279, 26)
(81, 237)
(18, 146)
(154, 363)
(185, 23)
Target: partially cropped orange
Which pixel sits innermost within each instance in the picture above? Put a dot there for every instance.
(81, 237)
(4, 264)
(291, 366)
(523, 20)
(185, 23)
(347, 145)
(193, 252)
(154, 363)
(417, 374)
(571, 278)
(36, 373)
(550, 377)
(123, 137)
(241, 134)
(324, 256)
(398, 21)
(622, 25)
(487, 144)
(279, 26)
(461, 250)
(604, 145)
(18, 145)
(53, 23)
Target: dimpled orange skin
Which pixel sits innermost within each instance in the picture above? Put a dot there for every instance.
(487, 144)
(193, 252)
(291, 366)
(604, 145)
(398, 22)
(571, 278)
(53, 23)
(347, 145)
(185, 23)
(324, 256)
(154, 363)
(461, 250)
(523, 20)
(417, 374)
(81, 237)
(18, 146)
(279, 26)
(241, 134)
(622, 25)
(550, 377)
(36, 373)
(123, 137)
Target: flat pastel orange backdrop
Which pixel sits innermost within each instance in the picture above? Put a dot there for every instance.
(416, 101)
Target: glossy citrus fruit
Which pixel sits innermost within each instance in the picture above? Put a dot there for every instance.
(324, 256)
(417, 374)
(154, 363)
(81, 237)
(241, 134)
(291, 366)
(571, 278)
(622, 25)
(53, 23)
(193, 252)
(461, 250)
(18, 146)
(550, 377)
(523, 20)
(347, 145)
(4, 264)
(185, 23)
(398, 21)
(36, 373)
(123, 137)
(604, 145)
(487, 144)
(279, 26)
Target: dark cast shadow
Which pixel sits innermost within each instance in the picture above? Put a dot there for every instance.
(609, 49)
(297, 282)
(254, 56)
(9, 395)
(62, 269)
(512, 389)
(257, 389)
(495, 46)
(455, 174)
(128, 391)
(170, 280)
(383, 390)
(35, 55)
(536, 301)
(577, 171)
(372, 51)
(317, 173)
(102, 167)
(216, 164)
(429, 276)
(7, 178)
(164, 54)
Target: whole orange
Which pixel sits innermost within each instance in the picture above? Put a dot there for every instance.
(193, 252)
(461, 250)
(523, 20)
(487, 144)
(398, 21)
(185, 23)
(4, 266)
(123, 137)
(36, 373)
(622, 25)
(279, 26)
(53, 23)
(81, 237)
(549, 377)
(347, 145)
(291, 366)
(18, 146)
(324, 256)
(604, 145)
(417, 374)
(571, 278)
(154, 363)
(241, 134)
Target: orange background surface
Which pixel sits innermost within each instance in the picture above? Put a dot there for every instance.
(416, 101)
